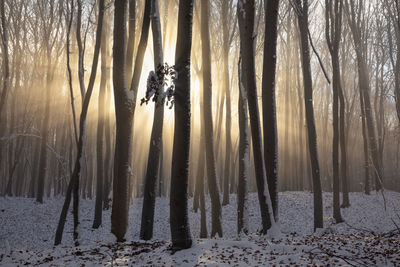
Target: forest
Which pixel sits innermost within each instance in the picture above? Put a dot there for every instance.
(200, 133)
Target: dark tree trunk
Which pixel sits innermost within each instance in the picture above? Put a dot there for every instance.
(124, 106)
(244, 153)
(131, 39)
(108, 143)
(228, 120)
(153, 161)
(246, 10)
(216, 227)
(333, 20)
(201, 155)
(308, 102)
(101, 173)
(343, 152)
(5, 67)
(180, 231)
(268, 101)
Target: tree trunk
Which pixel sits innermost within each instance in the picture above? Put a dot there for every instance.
(180, 231)
(308, 102)
(153, 161)
(228, 119)
(101, 169)
(246, 10)
(76, 175)
(5, 67)
(131, 39)
(333, 20)
(216, 227)
(124, 106)
(44, 133)
(244, 152)
(268, 101)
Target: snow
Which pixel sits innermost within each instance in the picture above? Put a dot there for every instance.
(368, 237)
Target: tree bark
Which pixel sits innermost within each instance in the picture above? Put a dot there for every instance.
(76, 175)
(124, 106)
(268, 101)
(180, 231)
(153, 161)
(246, 10)
(244, 153)
(308, 102)
(333, 21)
(101, 169)
(216, 227)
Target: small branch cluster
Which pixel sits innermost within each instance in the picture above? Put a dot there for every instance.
(164, 76)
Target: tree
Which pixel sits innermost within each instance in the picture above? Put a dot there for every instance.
(123, 112)
(216, 227)
(393, 10)
(48, 22)
(356, 20)
(101, 169)
(153, 161)
(301, 7)
(6, 67)
(333, 23)
(76, 174)
(125, 102)
(244, 153)
(179, 221)
(246, 10)
(228, 31)
(268, 101)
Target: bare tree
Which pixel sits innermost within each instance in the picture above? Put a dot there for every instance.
(301, 7)
(244, 154)
(6, 66)
(356, 20)
(153, 161)
(101, 169)
(216, 227)
(76, 174)
(268, 100)
(333, 23)
(246, 10)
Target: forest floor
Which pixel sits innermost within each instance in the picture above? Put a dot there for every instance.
(368, 237)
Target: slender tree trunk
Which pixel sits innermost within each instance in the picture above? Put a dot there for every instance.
(244, 153)
(246, 10)
(343, 152)
(268, 100)
(101, 173)
(76, 175)
(228, 119)
(108, 144)
(131, 39)
(44, 132)
(153, 161)
(5, 66)
(180, 231)
(216, 227)
(333, 21)
(308, 102)
(201, 156)
(367, 188)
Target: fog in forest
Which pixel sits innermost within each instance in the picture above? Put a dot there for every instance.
(72, 79)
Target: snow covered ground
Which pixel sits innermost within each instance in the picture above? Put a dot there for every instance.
(369, 237)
